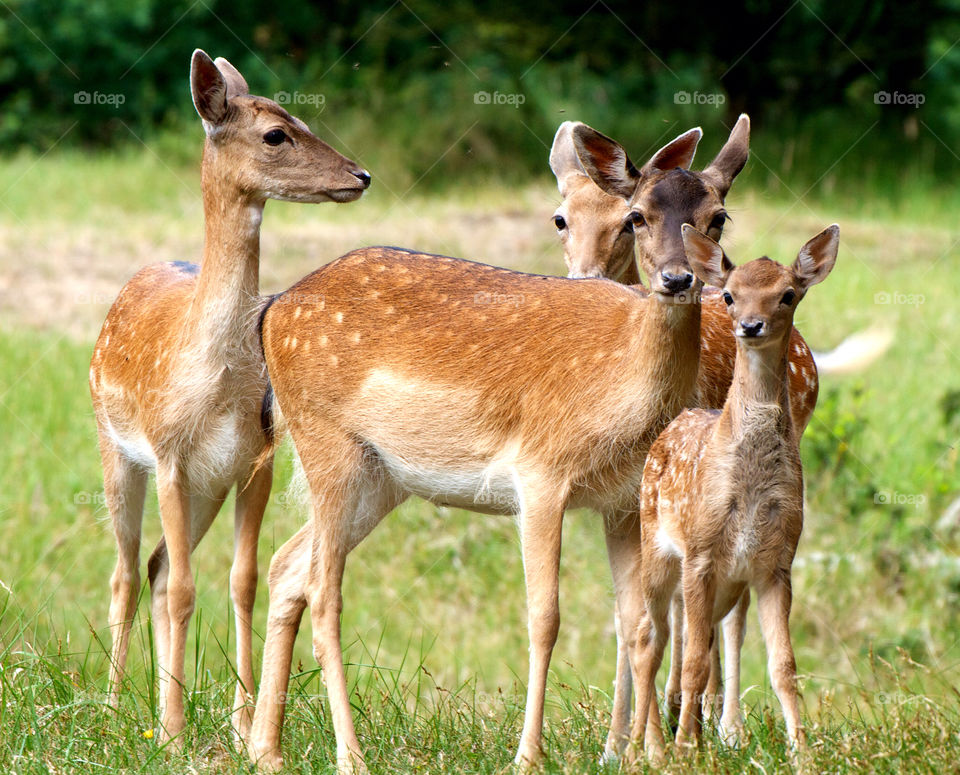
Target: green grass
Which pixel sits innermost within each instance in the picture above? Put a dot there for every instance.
(434, 628)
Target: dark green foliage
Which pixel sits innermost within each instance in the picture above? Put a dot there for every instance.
(399, 80)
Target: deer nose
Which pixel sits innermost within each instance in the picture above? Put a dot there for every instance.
(364, 177)
(676, 283)
(751, 328)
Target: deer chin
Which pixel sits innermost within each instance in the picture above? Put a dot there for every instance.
(339, 195)
(345, 194)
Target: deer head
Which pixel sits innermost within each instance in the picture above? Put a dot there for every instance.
(255, 145)
(762, 295)
(649, 204)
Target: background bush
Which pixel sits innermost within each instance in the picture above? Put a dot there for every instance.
(808, 74)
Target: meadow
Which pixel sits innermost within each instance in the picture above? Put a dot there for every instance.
(434, 623)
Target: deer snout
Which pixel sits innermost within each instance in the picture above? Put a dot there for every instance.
(363, 176)
(750, 328)
(676, 281)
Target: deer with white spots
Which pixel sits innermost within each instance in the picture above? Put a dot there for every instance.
(178, 378)
(609, 235)
(722, 494)
(398, 374)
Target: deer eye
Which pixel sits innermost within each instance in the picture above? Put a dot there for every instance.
(727, 298)
(274, 137)
(717, 223)
(788, 298)
(559, 222)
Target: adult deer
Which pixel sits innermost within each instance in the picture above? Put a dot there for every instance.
(178, 377)
(601, 232)
(398, 373)
(722, 495)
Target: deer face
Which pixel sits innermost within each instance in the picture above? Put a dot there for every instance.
(263, 150)
(762, 295)
(659, 198)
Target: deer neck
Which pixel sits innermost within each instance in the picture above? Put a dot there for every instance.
(227, 295)
(669, 336)
(759, 398)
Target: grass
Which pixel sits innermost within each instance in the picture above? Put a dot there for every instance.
(434, 619)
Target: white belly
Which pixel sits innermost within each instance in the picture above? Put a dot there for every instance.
(492, 488)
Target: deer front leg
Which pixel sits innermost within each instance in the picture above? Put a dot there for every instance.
(286, 579)
(540, 525)
(698, 598)
(773, 606)
(734, 629)
(252, 499)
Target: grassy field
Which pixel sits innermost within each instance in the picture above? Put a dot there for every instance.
(434, 624)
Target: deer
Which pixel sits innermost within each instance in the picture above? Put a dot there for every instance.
(602, 232)
(397, 373)
(178, 380)
(721, 505)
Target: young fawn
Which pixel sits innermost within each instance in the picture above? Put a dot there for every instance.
(722, 495)
(178, 377)
(398, 373)
(601, 233)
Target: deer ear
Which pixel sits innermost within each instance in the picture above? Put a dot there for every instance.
(236, 84)
(728, 163)
(706, 257)
(563, 156)
(679, 152)
(817, 257)
(605, 162)
(209, 89)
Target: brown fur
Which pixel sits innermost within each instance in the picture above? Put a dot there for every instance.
(177, 377)
(722, 495)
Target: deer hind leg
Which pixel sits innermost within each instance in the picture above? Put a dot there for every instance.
(713, 694)
(347, 504)
(618, 734)
(773, 606)
(734, 629)
(623, 553)
(252, 499)
(673, 693)
(185, 520)
(288, 574)
(541, 523)
(124, 485)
